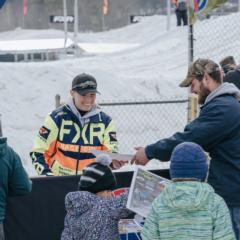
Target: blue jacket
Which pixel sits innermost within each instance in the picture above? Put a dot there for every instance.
(14, 180)
(217, 130)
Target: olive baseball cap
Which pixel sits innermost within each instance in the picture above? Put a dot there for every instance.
(198, 68)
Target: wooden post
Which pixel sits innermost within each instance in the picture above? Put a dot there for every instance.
(57, 101)
(192, 107)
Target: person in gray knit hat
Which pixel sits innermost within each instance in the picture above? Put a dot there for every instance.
(93, 212)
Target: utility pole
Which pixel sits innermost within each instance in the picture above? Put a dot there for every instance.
(65, 22)
(75, 37)
(169, 14)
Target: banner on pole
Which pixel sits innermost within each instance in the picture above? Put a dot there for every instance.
(2, 3)
(199, 8)
(105, 7)
(25, 8)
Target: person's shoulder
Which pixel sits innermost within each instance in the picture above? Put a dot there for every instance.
(105, 116)
(3, 142)
(234, 71)
(216, 203)
(4, 147)
(10, 156)
(219, 102)
(83, 201)
(80, 197)
(60, 112)
(221, 106)
(213, 198)
(232, 75)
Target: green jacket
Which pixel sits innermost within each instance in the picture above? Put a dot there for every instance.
(14, 180)
(188, 211)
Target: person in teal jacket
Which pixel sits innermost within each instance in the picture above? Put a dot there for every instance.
(14, 180)
(188, 208)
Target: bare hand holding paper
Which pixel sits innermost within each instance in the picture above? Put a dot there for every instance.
(118, 160)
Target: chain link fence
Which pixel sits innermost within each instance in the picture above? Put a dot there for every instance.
(142, 123)
(216, 35)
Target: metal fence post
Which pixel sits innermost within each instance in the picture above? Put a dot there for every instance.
(168, 14)
(190, 44)
(76, 49)
(57, 101)
(65, 23)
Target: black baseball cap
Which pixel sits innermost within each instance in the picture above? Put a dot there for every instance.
(84, 83)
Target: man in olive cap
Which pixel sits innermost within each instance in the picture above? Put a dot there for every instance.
(202, 69)
(217, 130)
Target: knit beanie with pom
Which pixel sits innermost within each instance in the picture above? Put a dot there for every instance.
(98, 176)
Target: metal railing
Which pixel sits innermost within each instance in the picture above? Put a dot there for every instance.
(145, 122)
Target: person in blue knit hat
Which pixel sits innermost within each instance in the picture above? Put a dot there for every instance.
(188, 207)
(188, 161)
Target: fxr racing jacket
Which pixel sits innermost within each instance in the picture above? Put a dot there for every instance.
(63, 143)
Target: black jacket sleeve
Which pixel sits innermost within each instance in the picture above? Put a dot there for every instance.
(210, 128)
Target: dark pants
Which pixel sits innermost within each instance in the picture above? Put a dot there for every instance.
(182, 17)
(1, 232)
(235, 216)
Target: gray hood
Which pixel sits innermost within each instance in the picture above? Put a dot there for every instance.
(86, 118)
(225, 88)
(186, 196)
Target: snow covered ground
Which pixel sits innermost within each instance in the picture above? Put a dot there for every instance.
(151, 68)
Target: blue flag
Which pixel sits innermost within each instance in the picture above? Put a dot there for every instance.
(201, 7)
(1, 3)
